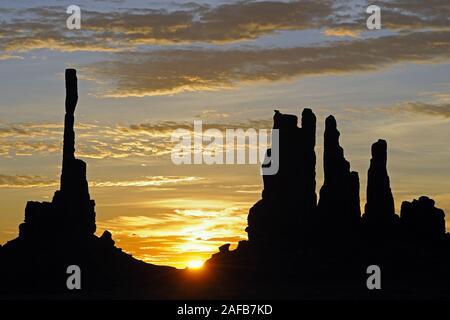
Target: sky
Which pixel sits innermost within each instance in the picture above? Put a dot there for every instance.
(146, 68)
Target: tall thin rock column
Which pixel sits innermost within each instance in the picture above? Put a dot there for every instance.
(69, 133)
(338, 207)
(380, 202)
(71, 214)
(73, 200)
(309, 158)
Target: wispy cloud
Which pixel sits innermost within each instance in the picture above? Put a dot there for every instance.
(442, 110)
(35, 181)
(341, 32)
(10, 57)
(419, 33)
(149, 182)
(25, 181)
(102, 141)
(180, 70)
(165, 128)
(122, 29)
(415, 14)
(43, 27)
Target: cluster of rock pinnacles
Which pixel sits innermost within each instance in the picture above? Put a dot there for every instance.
(289, 212)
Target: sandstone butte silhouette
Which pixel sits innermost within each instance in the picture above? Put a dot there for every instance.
(298, 247)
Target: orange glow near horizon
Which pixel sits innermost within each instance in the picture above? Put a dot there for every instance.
(174, 232)
(195, 264)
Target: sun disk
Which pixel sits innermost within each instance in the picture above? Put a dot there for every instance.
(195, 264)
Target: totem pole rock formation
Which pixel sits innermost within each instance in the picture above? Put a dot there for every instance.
(71, 212)
(379, 208)
(338, 206)
(60, 233)
(289, 196)
(74, 186)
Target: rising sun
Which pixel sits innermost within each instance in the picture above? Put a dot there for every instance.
(195, 264)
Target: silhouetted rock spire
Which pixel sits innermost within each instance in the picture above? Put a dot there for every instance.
(309, 158)
(379, 208)
(68, 163)
(73, 196)
(71, 212)
(339, 196)
(289, 197)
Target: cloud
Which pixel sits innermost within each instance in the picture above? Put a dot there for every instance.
(27, 148)
(126, 29)
(341, 32)
(10, 57)
(441, 97)
(213, 115)
(107, 142)
(165, 128)
(396, 15)
(25, 139)
(442, 110)
(93, 141)
(421, 33)
(234, 239)
(149, 182)
(25, 181)
(181, 70)
(35, 181)
(415, 14)
(44, 27)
